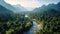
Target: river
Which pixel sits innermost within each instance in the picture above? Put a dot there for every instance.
(32, 29)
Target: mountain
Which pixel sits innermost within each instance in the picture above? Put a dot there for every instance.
(6, 5)
(4, 10)
(18, 7)
(15, 8)
(50, 6)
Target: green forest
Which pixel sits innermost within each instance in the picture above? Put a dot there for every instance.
(17, 23)
(15, 19)
(13, 23)
(50, 20)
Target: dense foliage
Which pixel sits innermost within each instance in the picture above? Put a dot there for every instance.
(13, 23)
(50, 21)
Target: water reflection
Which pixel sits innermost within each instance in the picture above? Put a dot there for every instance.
(33, 28)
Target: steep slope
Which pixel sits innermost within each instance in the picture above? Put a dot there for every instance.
(4, 10)
(6, 5)
(13, 23)
(15, 8)
(50, 6)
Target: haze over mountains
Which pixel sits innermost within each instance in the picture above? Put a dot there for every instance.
(19, 8)
(46, 18)
(6, 5)
(15, 8)
(50, 6)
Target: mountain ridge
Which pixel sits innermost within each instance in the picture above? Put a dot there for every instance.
(4, 10)
(50, 6)
(6, 5)
(20, 8)
(14, 8)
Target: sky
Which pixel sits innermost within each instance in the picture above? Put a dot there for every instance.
(31, 3)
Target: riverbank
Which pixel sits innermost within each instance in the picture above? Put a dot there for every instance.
(33, 29)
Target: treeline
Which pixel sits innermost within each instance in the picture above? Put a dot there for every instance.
(50, 21)
(11, 23)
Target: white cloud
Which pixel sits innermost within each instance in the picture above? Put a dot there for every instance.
(25, 3)
(12, 2)
(31, 3)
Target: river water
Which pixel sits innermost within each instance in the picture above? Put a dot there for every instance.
(33, 28)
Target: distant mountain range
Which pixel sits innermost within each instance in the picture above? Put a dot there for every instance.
(15, 8)
(8, 6)
(18, 7)
(50, 6)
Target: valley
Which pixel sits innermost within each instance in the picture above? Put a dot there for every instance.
(16, 19)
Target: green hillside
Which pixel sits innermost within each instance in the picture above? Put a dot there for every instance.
(50, 20)
(13, 23)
